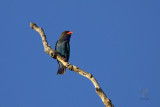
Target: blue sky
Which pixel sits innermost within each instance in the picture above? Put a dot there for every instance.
(115, 40)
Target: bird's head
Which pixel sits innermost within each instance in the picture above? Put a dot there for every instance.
(68, 32)
(66, 35)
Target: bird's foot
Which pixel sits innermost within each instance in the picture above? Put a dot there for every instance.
(64, 59)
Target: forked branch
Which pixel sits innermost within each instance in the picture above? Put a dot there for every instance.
(107, 102)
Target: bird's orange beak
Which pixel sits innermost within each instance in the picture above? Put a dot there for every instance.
(70, 32)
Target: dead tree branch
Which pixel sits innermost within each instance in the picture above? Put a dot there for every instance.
(107, 102)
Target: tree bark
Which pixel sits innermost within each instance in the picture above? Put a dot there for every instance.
(47, 48)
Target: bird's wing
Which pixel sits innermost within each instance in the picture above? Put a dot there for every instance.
(68, 50)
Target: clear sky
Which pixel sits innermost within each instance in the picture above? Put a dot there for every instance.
(115, 40)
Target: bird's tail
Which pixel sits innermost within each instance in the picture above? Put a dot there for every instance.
(61, 69)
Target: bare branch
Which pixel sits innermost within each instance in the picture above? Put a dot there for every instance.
(107, 102)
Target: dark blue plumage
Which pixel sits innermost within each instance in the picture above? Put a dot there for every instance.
(63, 48)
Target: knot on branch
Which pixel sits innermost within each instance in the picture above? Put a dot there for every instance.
(108, 103)
(98, 90)
(76, 67)
(53, 54)
(69, 66)
(90, 75)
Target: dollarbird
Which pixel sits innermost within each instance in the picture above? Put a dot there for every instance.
(63, 48)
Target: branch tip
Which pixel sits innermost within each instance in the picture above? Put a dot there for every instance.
(32, 25)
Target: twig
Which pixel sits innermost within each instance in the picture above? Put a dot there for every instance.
(107, 102)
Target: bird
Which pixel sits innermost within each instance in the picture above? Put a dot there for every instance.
(63, 48)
